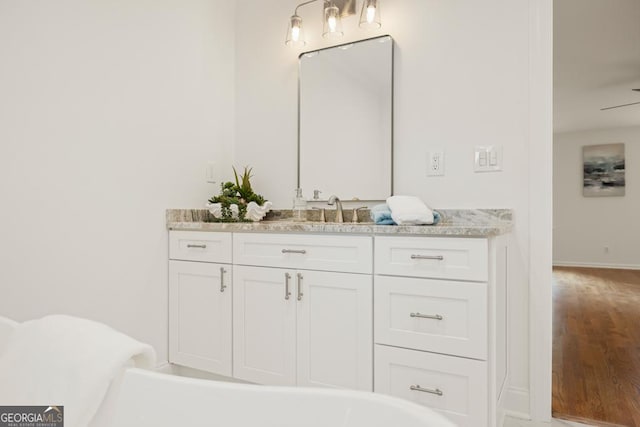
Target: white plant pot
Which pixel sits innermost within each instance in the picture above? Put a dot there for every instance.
(215, 209)
(255, 212)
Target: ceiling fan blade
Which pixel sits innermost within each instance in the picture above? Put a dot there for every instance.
(619, 106)
(637, 90)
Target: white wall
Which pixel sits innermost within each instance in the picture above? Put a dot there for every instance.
(462, 79)
(584, 226)
(109, 111)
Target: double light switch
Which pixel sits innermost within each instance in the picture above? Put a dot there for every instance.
(488, 158)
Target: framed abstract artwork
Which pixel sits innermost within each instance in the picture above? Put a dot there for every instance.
(604, 170)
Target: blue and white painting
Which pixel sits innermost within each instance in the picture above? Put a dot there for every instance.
(603, 170)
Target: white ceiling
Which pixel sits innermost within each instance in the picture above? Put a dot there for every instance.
(596, 63)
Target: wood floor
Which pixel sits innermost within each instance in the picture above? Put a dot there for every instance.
(596, 345)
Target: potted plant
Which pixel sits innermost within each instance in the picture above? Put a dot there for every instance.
(237, 201)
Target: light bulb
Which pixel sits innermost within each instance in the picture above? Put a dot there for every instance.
(332, 24)
(295, 32)
(371, 14)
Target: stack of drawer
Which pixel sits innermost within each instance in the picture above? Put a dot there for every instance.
(431, 324)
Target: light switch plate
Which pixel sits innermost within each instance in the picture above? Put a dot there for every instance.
(488, 158)
(211, 172)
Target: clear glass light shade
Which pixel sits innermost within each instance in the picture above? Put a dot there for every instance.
(332, 21)
(370, 15)
(295, 32)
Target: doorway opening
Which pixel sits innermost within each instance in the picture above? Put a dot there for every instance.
(596, 195)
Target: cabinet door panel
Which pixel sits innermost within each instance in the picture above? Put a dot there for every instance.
(200, 316)
(264, 326)
(350, 254)
(454, 315)
(200, 246)
(432, 257)
(453, 386)
(335, 333)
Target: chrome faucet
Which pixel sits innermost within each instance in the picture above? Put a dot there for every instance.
(335, 200)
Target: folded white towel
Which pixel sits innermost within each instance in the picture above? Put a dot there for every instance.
(62, 360)
(409, 210)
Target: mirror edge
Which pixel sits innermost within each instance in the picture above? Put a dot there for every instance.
(393, 85)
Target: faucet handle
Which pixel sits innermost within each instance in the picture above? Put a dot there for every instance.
(354, 215)
(323, 217)
(316, 194)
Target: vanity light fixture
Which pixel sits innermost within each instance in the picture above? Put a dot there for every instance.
(333, 11)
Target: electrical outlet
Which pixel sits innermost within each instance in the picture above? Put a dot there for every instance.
(435, 163)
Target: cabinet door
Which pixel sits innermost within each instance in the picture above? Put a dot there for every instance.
(264, 333)
(335, 332)
(200, 316)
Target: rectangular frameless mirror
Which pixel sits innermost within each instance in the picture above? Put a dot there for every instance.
(345, 110)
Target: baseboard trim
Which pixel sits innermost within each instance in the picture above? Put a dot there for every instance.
(165, 368)
(572, 421)
(596, 265)
(184, 371)
(517, 403)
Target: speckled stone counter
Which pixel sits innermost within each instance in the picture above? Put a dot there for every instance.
(454, 222)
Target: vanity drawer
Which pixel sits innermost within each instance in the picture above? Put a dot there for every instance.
(200, 246)
(453, 386)
(433, 315)
(350, 254)
(433, 257)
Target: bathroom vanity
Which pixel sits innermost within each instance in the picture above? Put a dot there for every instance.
(414, 312)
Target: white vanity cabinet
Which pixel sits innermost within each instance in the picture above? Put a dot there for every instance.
(200, 301)
(440, 324)
(417, 317)
(303, 327)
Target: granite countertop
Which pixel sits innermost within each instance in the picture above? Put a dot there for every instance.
(454, 222)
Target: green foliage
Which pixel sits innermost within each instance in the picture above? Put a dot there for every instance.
(240, 194)
(244, 189)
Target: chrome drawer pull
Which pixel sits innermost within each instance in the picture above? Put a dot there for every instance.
(287, 294)
(426, 390)
(436, 257)
(300, 294)
(197, 246)
(427, 316)
(294, 251)
(222, 285)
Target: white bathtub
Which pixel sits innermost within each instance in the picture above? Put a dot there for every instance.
(139, 398)
(160, 400)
